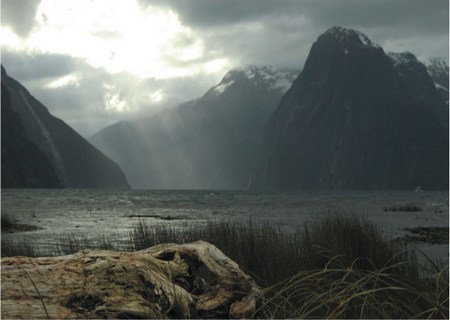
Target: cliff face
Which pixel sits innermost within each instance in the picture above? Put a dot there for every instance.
(349, 122)
(438, 70)
(24, 165)
(420, 85)
(77, 163)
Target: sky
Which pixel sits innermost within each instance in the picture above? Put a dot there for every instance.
(96, 62)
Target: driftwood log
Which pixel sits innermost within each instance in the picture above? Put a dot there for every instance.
(194, 280)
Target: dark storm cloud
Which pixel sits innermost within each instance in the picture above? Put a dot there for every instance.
(85, 104)
(281, 32)
(80, 105)
(27, 67)
(19, 15)
(415, 15)
(263, 42)
(200, 13)
(407, 15)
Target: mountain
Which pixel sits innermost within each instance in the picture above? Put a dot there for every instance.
(350, 121)
(39, 150)
(438, 71)
(419, 83)
(18, 153)
(213, 142)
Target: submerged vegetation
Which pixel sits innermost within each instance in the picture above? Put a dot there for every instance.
(10, 225)
(8, 222)
(404, 208)
(337, 266)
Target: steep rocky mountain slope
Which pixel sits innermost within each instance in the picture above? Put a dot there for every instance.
(419, 84)
(24, 165)
(438, 71)
(350, 121)
(36, 146)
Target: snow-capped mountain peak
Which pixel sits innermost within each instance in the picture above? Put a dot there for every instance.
(438, 64)
(265, 76)
(344, 34)
(222, 87)
(437, 68)
(402, 58)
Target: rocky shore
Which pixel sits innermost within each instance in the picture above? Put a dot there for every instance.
(432, 235)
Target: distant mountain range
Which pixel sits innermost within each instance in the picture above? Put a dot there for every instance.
(213, 142)
(356, 118)
(41, 151)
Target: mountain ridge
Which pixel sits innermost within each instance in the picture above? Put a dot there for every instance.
(210, 142)
(76, 163)
(18, 152)
(348, 122)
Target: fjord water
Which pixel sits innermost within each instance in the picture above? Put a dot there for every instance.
(109, 213)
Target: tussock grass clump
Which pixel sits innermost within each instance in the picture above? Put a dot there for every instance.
(348, 292)
(357, 241)
(272, 254)
(350, 270)
(73, 243)
(337, 266)
(267, 252)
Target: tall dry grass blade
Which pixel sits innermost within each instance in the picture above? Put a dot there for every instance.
(39, 294)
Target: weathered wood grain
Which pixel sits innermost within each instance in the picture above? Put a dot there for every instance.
(194, 280)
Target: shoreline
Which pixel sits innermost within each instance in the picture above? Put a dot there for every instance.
(420, 234)
(428, 235)
(19, 228)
